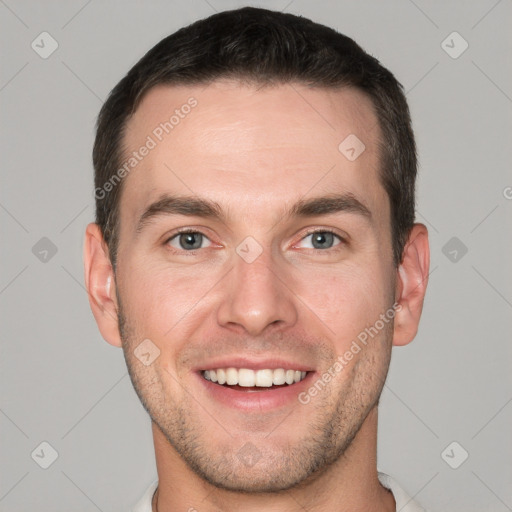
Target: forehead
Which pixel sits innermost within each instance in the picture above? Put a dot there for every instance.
(250, 147)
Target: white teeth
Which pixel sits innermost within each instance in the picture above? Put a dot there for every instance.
(221, 376)
(279, 377)
(246, 377)
(264, 378)
(231, 376)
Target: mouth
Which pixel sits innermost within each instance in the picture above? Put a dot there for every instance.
(257, 390)
(248, 380)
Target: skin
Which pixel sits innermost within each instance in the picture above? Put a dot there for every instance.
(256, 151)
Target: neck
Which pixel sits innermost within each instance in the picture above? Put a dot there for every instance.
(350, 484)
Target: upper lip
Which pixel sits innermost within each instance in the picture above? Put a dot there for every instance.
(254, 364)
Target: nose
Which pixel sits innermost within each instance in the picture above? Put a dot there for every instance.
(257, 295)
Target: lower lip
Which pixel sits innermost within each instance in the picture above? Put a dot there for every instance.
(270, 398)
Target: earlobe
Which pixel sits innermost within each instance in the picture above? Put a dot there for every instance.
(100, 284)
(412, 279)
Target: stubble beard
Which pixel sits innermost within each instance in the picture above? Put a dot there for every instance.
(281, 465)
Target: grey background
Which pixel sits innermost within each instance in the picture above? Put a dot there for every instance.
(61, 383)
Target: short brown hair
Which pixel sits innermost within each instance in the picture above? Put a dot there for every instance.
(263, 47)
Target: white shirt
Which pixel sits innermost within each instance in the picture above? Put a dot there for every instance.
(404, 503)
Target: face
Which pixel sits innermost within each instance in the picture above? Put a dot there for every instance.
(269, 282)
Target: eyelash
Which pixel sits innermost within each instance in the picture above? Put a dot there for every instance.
(311, 232)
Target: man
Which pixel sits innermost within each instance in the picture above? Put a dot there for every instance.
(255, 256)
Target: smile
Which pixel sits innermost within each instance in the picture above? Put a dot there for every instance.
(247, 378)
(257, 390)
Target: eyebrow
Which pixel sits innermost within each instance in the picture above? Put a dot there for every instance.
(193, 206)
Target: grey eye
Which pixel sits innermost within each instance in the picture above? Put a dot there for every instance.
(321, 240)
(188, 241)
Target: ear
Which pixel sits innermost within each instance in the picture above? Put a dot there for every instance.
(100, 284)
(412, 279)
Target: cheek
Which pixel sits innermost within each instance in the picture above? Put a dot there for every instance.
(347, 301)
(161, 302)
(155, 288)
